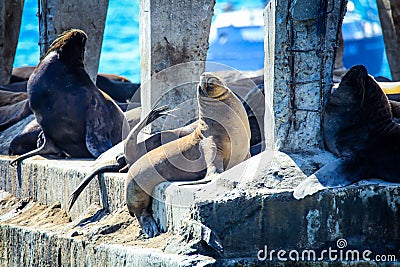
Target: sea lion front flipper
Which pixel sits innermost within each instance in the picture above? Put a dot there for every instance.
(98, 129)
(339, 173)
(214, 161)
(46, 148)
(148, 225)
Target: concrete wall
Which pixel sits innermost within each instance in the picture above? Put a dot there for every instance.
(172, 33)
(10, 22)
(301, 52)
(57, 16)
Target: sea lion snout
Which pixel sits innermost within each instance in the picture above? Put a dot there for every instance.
(211, 86)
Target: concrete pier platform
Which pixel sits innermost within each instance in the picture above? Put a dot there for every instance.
(227, 222)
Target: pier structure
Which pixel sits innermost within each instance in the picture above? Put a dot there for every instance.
(246, 209)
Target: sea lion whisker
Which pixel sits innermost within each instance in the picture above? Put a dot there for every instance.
(169, 112)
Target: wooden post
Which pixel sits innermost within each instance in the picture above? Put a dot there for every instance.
(57, 16)
(389, 15)
(300, 53)
(10, 23)
(173, 50)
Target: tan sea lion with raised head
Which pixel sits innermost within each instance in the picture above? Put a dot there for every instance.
(220, 141)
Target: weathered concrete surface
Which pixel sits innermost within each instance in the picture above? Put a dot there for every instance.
(49, 181)
(230, 219)
(172, 33)
(301, 39)
(57, 16)
(32, 234)
(10, 22)
(258, 209)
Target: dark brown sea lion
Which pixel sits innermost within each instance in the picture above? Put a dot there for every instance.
(254, 103)
(27, 140)
(12, 114)
(117, 87)
(359, 129)
(76, 118)
(220, 141)
(121, 91)
(9, 98)
(21, 74)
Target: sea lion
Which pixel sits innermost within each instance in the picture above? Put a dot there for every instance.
(119, 88)
(129, 150)
(76, 118)
(11, 114)
(220, 141)
(113, 160)
(359, 129)
(254, 103)
(9, 98)
(27, 140)
(21, 74)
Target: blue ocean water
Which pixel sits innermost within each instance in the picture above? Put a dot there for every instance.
(120, 52)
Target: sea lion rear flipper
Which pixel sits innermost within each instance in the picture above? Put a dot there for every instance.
(110, 168)
(339, 173)
(395, 107)
(46, 148)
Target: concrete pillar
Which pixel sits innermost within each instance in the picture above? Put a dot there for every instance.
(57, 16)
(10, 23)
(173, 49)
(389, 15)
(301, 40)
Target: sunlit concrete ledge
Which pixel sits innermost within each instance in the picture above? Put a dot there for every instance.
(242, 214)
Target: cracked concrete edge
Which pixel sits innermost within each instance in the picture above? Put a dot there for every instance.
(25, 246)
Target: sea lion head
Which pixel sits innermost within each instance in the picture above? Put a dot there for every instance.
(70, 46)
(211, 86)
(352, 88)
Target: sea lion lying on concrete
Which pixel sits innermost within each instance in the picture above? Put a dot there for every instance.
(76, 118)
(27, 140)
(359, 129)
(11, 114)
(220, 141)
